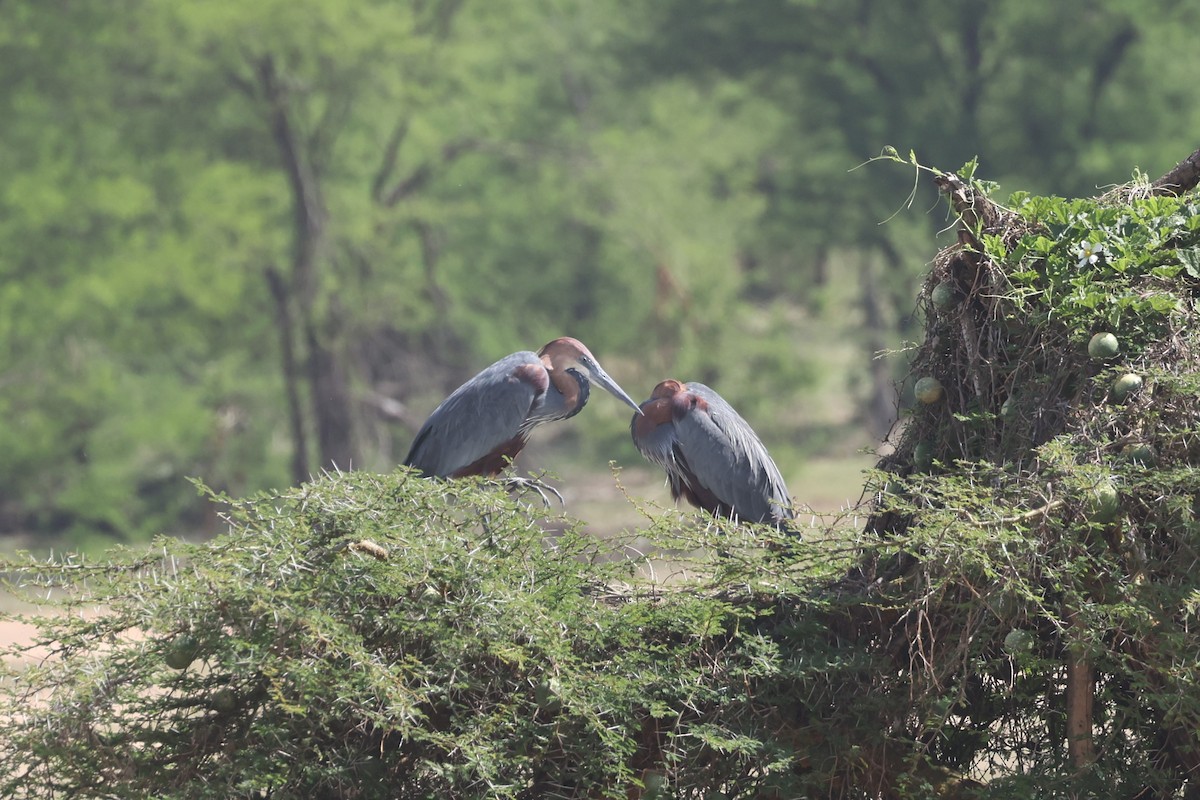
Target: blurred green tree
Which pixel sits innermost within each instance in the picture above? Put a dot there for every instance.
(1053, 97)
(249, 242)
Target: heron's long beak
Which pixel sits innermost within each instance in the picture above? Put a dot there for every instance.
(601, 377)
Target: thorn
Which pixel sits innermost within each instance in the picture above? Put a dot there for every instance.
(524, 484)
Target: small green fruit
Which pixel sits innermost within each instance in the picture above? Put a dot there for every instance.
(181, 651)
(655, 782)
(1124, 386)
(1018, 641)
(224, 700)
(944, 296)
(928, 390)
(1103, 345)
(890, 496)
(923, 456)
(1005, 605)
(1103, 503)
(1141, 454)
(547, 694)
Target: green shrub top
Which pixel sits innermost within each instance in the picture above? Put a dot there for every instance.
(389, 636)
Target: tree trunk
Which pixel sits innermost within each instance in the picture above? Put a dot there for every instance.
(332, 402)
(329, 391)
(1081, 695)
(881, 409)
(291, 374)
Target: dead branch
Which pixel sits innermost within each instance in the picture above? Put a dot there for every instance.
(1182, 178)
(977, 214)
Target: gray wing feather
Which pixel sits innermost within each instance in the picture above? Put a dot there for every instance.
(726, 455)
(476, 418)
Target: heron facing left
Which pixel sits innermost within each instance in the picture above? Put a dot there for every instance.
(483, 424)
(712, 457)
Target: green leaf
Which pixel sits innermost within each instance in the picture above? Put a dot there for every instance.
(1190, 259)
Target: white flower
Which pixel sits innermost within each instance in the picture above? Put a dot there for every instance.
(1090, 253)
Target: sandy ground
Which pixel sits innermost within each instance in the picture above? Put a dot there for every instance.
(13, 632)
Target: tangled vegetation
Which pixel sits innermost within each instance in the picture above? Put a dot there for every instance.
(1016, 619)
(389, 636)
(1047, 493)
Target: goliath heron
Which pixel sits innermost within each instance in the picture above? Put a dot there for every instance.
(712, 457)
(482, 426)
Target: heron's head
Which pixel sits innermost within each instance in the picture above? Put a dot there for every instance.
(667, 388)
(656, 410)
(570, 355)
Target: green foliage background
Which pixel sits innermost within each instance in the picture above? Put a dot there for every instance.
(670, 182)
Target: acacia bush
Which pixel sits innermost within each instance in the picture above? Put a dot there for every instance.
(1015, 619)
(389, 636)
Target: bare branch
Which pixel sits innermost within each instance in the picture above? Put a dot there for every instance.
(309, 206)
(1182, 178)
(390, 153)
(1111, 55)
(419, 177)
(411, 184)
(976, 212)
(325, 133)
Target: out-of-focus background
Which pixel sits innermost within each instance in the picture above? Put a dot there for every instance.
(245, 241)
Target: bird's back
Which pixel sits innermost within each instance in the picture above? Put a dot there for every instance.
(485, 415)
(728, 458)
